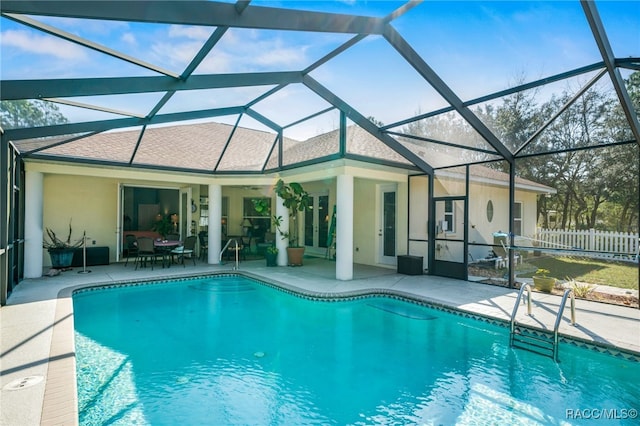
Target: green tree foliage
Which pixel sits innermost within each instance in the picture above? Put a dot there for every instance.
(23, 113)
(438, 135)
(592, 167)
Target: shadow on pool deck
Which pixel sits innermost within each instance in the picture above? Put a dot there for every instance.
(31, 346)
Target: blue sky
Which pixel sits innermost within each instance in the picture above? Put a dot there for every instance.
(477, 47)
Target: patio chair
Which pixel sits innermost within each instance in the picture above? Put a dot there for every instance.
(230, 252)
(188, 249)
(173, 237)
(147, 251)
(204, 245)
(131, 247)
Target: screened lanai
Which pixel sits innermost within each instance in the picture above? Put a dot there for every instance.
(259, 88)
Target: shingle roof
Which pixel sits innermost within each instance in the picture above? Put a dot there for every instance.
(194, 146)
(199, 147)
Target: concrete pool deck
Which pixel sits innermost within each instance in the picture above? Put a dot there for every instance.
(37, 365)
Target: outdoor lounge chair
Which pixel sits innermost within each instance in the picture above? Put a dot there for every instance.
(502, 254)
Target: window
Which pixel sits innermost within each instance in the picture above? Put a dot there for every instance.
(490, 211)
(255, 224)
(204, 213)
(449, 216)
(517, 218)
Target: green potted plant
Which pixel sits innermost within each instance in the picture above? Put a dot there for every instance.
(163, 226)
(60, 251)
(543, 282)
(263, 208)
(296, 200)
(271, 255)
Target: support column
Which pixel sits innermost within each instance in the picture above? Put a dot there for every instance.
(344, 228)
(215, 224)
(281, 244)
(33, 232)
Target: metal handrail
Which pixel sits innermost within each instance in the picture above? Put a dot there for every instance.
(236, 250)
(568, 292)
(526, 286)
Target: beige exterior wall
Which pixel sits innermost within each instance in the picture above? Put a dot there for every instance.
(481, 230)
(89, 197)
(367, 220)
(88, 202)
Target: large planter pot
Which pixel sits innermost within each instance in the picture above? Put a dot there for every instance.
(61, 258)
(544, 284)
(295, 255)
(272, 258)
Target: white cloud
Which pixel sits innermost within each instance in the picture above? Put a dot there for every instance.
(192, 32)
(176, 54)
(217, 62)
(129, 38)
(281, 56)
(86, 27)
(251, 51)
(42, 45)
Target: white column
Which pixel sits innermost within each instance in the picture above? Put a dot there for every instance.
(282, 244)
(215, 224)
(33, 232)
(344, 228)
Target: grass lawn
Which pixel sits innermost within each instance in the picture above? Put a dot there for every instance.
(587, 270)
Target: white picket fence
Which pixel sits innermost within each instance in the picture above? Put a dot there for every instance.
(594, 243)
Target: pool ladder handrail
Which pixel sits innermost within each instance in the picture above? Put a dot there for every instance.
(235, 268)
(567, 293)
(524, 287)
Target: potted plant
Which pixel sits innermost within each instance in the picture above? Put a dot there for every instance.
(61, 251)
(263, 208)
(542, 282)
(271, 255)
(163, 225)
(296, 200)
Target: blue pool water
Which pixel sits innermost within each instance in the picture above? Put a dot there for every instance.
(228, 350)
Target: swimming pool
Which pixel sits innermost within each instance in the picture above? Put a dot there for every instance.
(229, 350)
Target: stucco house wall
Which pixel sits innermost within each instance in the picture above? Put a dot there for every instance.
(88, 203)
(89, 197)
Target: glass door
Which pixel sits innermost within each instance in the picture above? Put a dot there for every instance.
(316, 225)
(185, 224)
(387, 229)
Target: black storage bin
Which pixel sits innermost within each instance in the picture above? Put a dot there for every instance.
(95, 256)
(410, 265)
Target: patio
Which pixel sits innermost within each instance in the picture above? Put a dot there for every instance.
(37, 321)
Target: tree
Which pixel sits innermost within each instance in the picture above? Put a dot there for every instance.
(578, 154)
(27, 113)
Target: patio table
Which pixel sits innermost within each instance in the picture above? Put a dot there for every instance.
(164, 247)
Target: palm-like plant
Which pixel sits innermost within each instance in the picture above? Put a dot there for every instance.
(295, 199)
(56, 242)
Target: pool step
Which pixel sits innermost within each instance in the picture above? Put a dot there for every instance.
(534, 340)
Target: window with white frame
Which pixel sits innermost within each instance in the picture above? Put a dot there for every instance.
(517, 218)
(449, 216)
